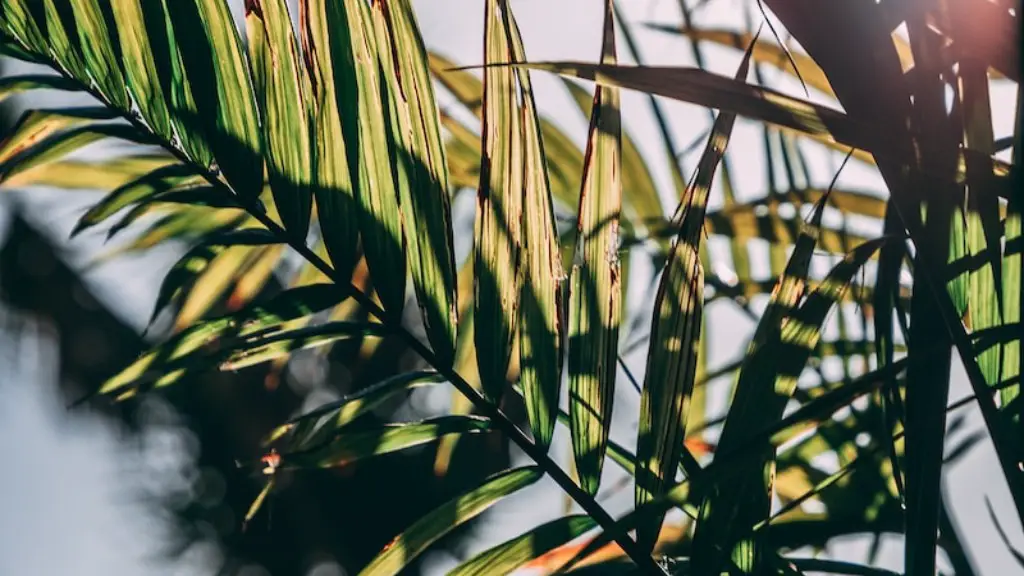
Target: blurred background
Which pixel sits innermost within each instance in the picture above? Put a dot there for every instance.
(152, 487)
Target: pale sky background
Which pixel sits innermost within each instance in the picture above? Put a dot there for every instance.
(89, 470)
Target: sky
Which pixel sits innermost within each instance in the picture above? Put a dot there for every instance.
(90, 466)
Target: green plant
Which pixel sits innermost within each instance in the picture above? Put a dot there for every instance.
(236, 143)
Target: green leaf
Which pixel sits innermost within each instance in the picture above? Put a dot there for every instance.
(310, 428)
(140, 66)
(281, 94)
(162, 179)
(541, 299)
(497, 233)
(12, 85)
(276, 344)
(765, 52)
(17, 20)
(62, 35)
(358, 93)
(417, 148)
(58, 145)
(710, 90)
(347, 447)
(675, 337)
(512, 554)
(37, 125)
(199, 346)
(175, 84)
(196, 261)
(219, 78)
(196, 195)
(431, 527)
(105, 174)
(100, 49)
(641, 202)
(1013, 284)
(732, 507)
(595, 295)
(337, 207)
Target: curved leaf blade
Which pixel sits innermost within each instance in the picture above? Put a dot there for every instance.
(497, 234)
(418, 146)
(541, 299)
(279, 82)
(431, 527)
(333, 189)
(358, 94)
(100, 50)
(219, 77)
(140, 66)
(595, 294)
(508, 556)
(675, 337)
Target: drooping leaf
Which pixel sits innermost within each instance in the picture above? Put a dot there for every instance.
(195, 196)
(595, 296)
(765, 52)
(425, 196)
(429, 528)
(175, 82)
(277, 344)
(104, 175)
(140, 69)
(675, 336)
(759, 103)
(348, 446)
(497, 233)
(514, 553)
(541, 299)
(198, 258)
(280, 87)
(60, 144)
(201, 291)
(169, 362)
(162, 179)
(333, 188)
(37, 125)
(721, 533)
(101, 50)
(13, 85)
(313, 427)
(358, 94)
(219, 78)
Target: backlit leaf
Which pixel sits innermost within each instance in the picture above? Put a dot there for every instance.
(675, 336)
(219, 77)
(140, 67)
(510, 555)
(429, 528)
(425, 194)
(332, 183)
(281, 95)
(595, 295)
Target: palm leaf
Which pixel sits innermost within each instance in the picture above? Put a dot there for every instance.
(595, 296)
(429, 528)
(281, 84)
(675, 336)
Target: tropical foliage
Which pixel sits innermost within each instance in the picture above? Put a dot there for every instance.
(316, 135)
